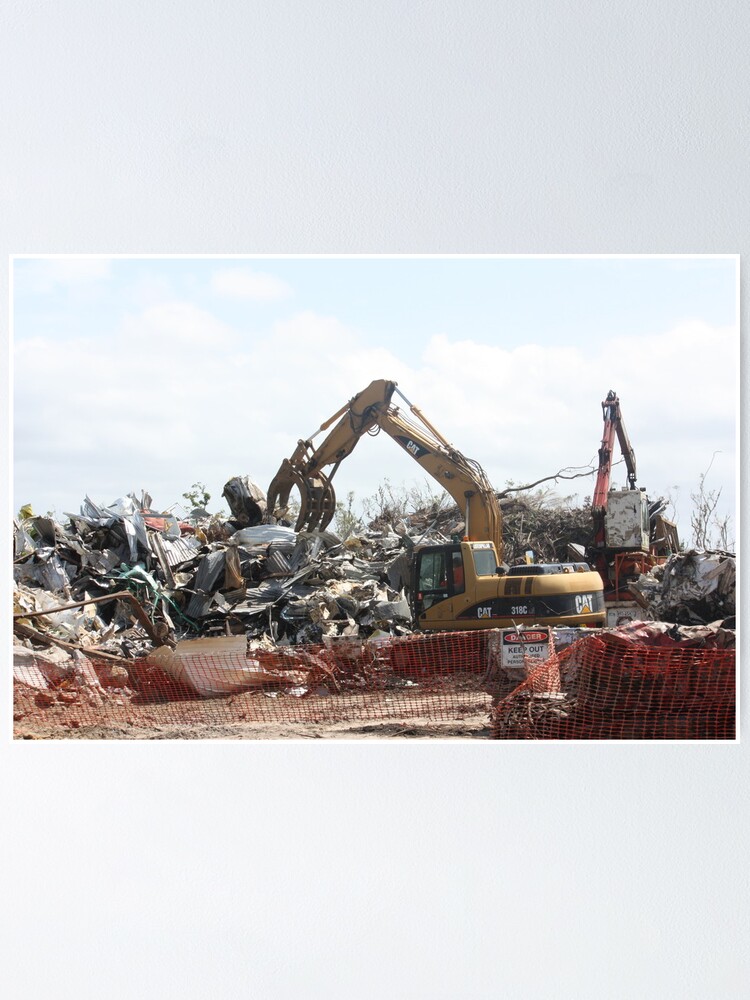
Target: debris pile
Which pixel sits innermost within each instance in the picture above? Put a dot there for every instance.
(539, 521)
(123, 578)
(114, 585)
(690, 588)
(548, 526)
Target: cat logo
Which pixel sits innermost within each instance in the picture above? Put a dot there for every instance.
(583, 604)
(415, 449)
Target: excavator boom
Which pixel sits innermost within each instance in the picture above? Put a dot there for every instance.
(311, 469)
(613, 424)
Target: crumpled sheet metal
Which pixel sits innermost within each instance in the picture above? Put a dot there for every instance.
(97, 551)
(177, 551)
(691, 587)
(210, 571)
(246, 500)
(265, 534)
(46, 569)
(122, 512)
(712, 635)
(261, 579)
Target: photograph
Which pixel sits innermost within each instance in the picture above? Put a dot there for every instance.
(446, 497)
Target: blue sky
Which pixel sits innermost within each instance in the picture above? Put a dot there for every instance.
(398, 301)
(154, 373)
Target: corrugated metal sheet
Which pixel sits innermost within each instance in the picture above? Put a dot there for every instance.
(176, 551)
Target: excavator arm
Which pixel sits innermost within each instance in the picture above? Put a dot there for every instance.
(311, 469)
(613, 424)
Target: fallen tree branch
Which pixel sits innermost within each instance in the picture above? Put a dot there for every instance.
(588, 471)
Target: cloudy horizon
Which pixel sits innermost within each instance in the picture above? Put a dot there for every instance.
(152, 374)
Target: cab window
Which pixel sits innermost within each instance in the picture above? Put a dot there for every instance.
(432, 574)
(432, 584)
(484, 562)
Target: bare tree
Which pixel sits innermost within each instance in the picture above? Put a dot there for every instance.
(710, 531)
(346, 521)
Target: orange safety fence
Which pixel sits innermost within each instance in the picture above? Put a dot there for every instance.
(591, 690)
(615, 691)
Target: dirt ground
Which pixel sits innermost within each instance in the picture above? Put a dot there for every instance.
(412, 714)
(411, 729)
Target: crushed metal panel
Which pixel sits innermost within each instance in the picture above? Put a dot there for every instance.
(265, 534)
(131, 535)
(45, 530)
(47, 570)
(260, 599)
(246, 500)
(277, 564)
(206, 580)
(100, 560)
(122, 512)
(176, 551)
(95, 514)
(155, 543)
(233, 578)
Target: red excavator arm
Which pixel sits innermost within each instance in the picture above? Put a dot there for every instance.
(613, 425)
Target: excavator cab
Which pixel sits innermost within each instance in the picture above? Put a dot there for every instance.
(438, 573)
(461, 586)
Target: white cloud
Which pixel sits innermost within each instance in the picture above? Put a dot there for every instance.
(48, 274)
(325, 336)
(177, 396)
(684, 376)
(70, 270)
(173, 326)
(244, 283)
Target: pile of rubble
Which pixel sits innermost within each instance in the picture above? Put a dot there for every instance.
(690, 588)
(117, 581)
(129, 577)
(537, 521)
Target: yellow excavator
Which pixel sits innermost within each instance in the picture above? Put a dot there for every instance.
(457, 585)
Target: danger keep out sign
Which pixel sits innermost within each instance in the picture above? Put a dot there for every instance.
(524, 642)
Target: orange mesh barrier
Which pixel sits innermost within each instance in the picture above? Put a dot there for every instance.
(226, 688)
(599, 690)
(436, 678)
